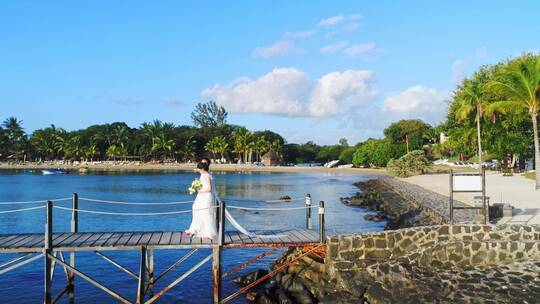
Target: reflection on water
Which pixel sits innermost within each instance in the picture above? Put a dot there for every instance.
(151, 186)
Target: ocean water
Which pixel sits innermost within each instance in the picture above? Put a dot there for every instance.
(25, 284)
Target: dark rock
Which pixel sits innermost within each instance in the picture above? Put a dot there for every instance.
(250, 277)
(283, 297)
(374, 217)
(378, 294)
(302, 297)
(285, 198)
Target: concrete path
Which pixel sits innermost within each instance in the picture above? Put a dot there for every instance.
(516, 190)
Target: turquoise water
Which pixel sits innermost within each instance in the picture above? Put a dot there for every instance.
(25, 284)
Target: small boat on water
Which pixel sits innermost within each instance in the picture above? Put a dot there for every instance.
(331, 164)
(83, 170)
(54, 171)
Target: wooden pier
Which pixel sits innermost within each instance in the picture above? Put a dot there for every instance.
(53, 246)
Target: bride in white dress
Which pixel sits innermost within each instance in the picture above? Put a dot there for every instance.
(203, 223)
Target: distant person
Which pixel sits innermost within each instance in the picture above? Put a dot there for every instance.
(203, 223)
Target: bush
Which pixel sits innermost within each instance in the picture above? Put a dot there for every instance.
(413, 163)
(373, 152)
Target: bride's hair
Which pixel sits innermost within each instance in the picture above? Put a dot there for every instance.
(204, 166)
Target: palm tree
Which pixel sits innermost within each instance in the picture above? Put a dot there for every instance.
(470, 99)
(48, 142)
(242, 139)
(15, 135)
(277, 147)
(212, 146)
(217, 145)
(113, 152)
(162, 144)
(261, 145)
(120, 135)
(72, 147)
(91, 151)
(188, 149)
(518, 84)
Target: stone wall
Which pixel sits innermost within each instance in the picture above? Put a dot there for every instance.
(442, 245)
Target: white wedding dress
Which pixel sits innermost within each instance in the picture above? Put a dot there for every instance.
(203, 223)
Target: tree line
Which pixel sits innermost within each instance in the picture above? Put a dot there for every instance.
(210, 135)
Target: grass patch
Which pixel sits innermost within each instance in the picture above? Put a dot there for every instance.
(530, 175)
(438, 169)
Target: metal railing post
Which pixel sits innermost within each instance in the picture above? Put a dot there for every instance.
(47, 249)
(74, 229)
(451, 197)
(322, 236)
(485, 211)
(309, 224)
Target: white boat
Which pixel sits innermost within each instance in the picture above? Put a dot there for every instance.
(345, 166)
(54, 171)
(331, 164)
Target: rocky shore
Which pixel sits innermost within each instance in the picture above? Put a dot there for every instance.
(417, 259)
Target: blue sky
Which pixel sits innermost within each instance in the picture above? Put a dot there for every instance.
(310, 70)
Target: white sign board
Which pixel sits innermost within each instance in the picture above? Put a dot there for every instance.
(467, 183)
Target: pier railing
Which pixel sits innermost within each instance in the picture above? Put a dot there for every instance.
(54, 254)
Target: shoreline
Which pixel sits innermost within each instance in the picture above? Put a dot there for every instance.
(190, 167)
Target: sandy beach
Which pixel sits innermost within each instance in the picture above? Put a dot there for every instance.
(515, 190)
(131, 166)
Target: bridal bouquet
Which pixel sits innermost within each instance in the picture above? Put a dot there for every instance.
(195, 186)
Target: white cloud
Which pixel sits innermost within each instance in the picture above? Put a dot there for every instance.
(288, 91)
(170, 102)
(278, 92)
(280, 47)
(458, 69)
(340, 91)
(461, 66)
(417, 101)
(361, 49)
(338, 19)
(332, 20)
(302, 34)
(481, 53)
(334, 47)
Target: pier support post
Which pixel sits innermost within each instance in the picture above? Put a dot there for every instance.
(309, 224)
(141, 286)
(322, 235)
(151, 272)
(74, 229)
(217, 252)
(47, 249)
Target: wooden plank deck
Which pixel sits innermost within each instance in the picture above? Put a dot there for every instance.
(82, 241)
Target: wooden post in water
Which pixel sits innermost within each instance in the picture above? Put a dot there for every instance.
(309, 224)
(217, 251)
(47, 249)
(321, 222)
(141, 286)
(74, 229)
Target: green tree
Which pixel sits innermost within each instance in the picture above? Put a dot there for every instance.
(209, 115)
(372, 152)
(407, 134)
(518, 84)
